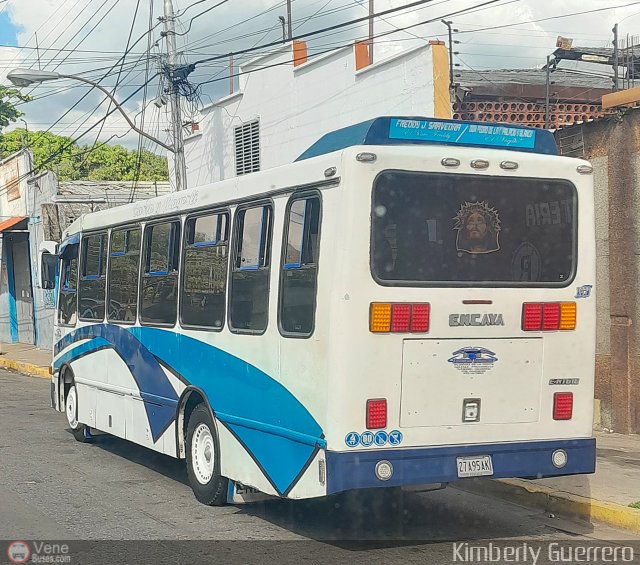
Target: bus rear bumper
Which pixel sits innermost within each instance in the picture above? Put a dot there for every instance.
(415, 466)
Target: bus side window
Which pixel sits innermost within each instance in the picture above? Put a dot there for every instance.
(91, 288)
(160, 275)
(67, 303)
(124, 265)
(204, 271)
(299, 272)
(249, 303)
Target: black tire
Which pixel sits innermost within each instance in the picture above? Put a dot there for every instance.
(213, 492)
(80, 431)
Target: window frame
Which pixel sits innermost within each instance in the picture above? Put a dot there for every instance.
(142, 272)
(103, 276)
(268, 203)
(61, 281)
(475, 284)
(126, 227)
(297, 196)
(212, 212)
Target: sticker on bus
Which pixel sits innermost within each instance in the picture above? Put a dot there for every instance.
(584, 291)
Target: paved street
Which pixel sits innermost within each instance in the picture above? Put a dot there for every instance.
(52, 487)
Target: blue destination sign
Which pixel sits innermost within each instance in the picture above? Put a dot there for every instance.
(462, 133)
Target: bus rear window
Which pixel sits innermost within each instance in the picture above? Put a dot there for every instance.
(435, 229)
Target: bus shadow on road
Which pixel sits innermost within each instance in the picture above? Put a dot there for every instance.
(164, 464)
(388, 519)
(376, 518)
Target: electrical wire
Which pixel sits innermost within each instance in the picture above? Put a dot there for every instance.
(201, 14)
(593, 11)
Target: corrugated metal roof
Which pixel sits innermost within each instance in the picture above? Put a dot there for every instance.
(537, 77)
(116, 192)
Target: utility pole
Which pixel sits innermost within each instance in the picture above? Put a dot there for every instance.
(289, 22)
(615, 57)
(546, 94)
(371, 12)
(180, 166)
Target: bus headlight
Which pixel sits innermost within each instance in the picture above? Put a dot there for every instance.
(384, 470)
(559, 458)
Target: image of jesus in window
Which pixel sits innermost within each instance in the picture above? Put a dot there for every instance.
(478, 228)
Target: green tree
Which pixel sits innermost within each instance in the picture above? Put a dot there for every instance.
(85, 162)
(8, 99)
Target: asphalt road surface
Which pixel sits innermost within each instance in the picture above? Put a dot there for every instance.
(54, 488)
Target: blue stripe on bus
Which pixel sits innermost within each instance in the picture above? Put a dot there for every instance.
(426, 465)
(238, 389)
(150, 377)
(80, 351)
(271, 423)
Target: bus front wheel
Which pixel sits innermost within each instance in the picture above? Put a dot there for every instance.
(203, 459)
(79, 431)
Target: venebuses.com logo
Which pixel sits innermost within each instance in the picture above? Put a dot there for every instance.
(18, 552)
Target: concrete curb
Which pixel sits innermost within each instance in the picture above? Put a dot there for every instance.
(25, 368)
(554, 501)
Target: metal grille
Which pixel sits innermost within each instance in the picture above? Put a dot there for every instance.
(571, 141)
(247, 145)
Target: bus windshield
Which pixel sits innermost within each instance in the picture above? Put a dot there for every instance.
(433, 229)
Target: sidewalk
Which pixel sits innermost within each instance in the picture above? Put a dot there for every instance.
(604, 496)
(26, 359)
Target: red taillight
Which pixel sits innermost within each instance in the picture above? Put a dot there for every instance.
(400, 317)
(376, 413)
(420, 318)
(531, 317)
(562, 406)
(551, 316)
(548, 316)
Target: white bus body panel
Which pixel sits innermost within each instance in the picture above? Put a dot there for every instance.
(328, 377)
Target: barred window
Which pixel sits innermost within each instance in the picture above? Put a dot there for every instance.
(246, 139)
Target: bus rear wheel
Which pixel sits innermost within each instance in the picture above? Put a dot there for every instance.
(203, 459)
(79, 431)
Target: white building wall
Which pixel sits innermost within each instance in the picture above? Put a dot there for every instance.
(297, 105)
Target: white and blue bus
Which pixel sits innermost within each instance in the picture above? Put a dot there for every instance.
(408, 304)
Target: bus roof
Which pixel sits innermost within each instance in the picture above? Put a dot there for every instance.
(431, 131)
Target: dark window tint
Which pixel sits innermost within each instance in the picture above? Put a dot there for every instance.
(463, 229)
(91, 288)
(123, 275)
(160, 276)
(49, 270)
(67, 303)
(300, 268)
(249, 302)
(204, 278)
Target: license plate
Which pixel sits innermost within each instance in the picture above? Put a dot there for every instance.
(477, 466)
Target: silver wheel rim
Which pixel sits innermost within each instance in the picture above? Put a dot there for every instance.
(72, 408)
(202, 453)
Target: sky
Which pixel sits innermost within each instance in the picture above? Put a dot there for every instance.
(88, 37)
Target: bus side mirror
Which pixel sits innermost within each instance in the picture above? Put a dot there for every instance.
(48, 264)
